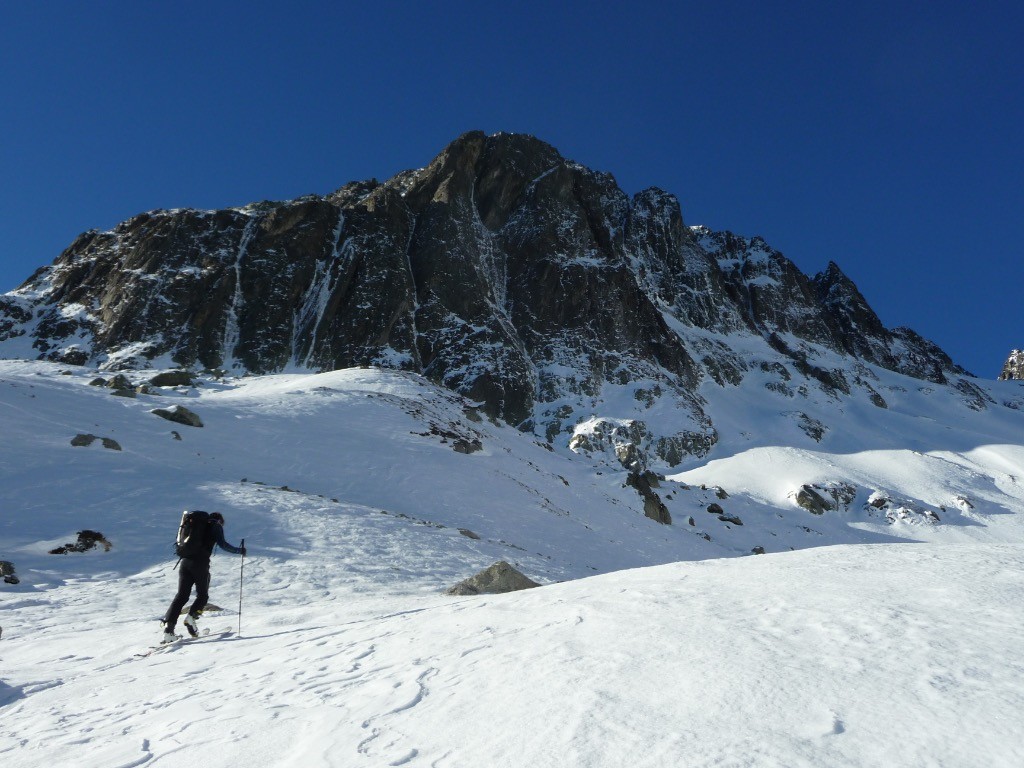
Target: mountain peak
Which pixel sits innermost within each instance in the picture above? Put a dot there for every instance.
(501, 270)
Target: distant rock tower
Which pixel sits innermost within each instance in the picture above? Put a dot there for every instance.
(1014, 367)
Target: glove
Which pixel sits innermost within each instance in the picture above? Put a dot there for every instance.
(243, 551)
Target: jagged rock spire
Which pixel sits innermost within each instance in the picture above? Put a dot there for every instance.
(1014, 366)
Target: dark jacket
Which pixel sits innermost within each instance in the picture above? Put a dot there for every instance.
(215, 536)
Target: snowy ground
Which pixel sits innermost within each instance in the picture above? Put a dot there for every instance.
(351, 500)
(880, 655)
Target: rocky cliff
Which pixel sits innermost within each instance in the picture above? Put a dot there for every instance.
(1013, 369)
(505, 272)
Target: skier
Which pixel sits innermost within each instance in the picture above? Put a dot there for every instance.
(195, 571)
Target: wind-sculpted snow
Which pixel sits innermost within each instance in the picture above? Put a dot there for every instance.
(805, 659)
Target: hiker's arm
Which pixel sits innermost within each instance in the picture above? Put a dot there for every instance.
(224, 545)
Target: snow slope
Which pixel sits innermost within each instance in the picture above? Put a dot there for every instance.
(352, 502)
(860, 656)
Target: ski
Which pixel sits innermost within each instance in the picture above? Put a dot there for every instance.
(204, 635)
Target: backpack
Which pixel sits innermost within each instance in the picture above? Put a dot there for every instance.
(192, 534)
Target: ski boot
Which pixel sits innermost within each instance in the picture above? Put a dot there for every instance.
(190, 625)
(169, 637)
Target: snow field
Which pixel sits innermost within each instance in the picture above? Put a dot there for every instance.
(859, 656)
(351, 501)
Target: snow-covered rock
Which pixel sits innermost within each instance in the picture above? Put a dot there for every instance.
(1014, 366)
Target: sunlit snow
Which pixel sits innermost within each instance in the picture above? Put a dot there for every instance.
(649, 645)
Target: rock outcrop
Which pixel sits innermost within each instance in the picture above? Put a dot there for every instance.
(86, 540)
(654, 507)
(179, 414)
(7, 572)
(496, 579)
(808, 498)
(1013, 369)
(84, 440)
(173, 379)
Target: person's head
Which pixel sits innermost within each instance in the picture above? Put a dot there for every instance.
(217, 517)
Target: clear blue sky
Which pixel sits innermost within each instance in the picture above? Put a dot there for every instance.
(886, 136)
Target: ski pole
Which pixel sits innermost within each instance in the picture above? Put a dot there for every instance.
(240, 572)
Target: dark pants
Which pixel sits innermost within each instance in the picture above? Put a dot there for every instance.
(191, 573)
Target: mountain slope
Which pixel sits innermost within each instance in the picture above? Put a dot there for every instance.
(357, 491)
(392, 442)
(854, 656)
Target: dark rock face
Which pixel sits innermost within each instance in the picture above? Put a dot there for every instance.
(502, 270)
(1013, 369)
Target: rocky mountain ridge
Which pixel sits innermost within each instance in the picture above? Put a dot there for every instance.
(509, 274)
(1013, 368)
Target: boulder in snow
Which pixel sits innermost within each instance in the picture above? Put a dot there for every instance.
(172, 379)
(86, 540)
(461, 445)
(85, 440)
(120, 381)
(178, 414)
(812, 501)
(7, 572)
(498, 578)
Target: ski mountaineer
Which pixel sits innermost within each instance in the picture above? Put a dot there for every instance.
(195, 571)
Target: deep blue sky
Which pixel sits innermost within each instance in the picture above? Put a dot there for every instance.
(886, 137)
